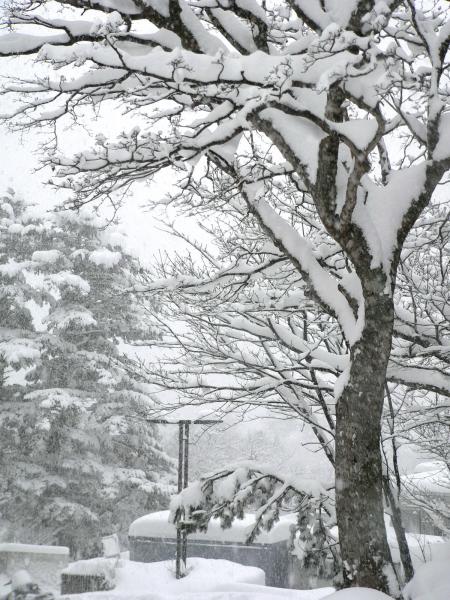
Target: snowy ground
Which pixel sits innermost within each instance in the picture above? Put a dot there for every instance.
(432, 579)
(207, 579)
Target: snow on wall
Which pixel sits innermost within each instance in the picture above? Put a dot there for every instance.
(92, 566)
(34, 548)
(43, 563)
(157, 525)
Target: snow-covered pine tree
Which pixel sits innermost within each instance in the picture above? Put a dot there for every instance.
(19, 341)
(19, 345)
(80, 458)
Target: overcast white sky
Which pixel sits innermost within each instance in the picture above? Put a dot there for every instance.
(18, 163)
(19, 159)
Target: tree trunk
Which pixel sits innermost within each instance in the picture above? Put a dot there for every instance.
(397, 523)
(365, 552)
(392, 498)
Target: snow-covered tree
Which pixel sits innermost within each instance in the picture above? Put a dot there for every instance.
(416, 416)
(78, 457)
(227, 493)
(325, 125)
(421, 423)
(19, 346)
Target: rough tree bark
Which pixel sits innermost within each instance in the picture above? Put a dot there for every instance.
(359, 491)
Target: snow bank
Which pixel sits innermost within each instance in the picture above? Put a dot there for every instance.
(237, 594)
(421, 546)
(207, 579)
(133, 579)
(156, 525)
(92, 566)
(248, 592)
(359, 594)
(203, 574)
(432, 580)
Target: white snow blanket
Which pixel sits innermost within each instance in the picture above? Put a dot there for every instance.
(135, 578)
(423, 547)
(358, 594)
(210, 579)
(157, 525)
(12, 547)
(242, 591)
(432, 580)
(207, 579)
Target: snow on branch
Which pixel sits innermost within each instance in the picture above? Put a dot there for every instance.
(431, 379)
(325, 287)
(266, 493)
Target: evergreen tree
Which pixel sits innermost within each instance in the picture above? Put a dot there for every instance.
(80, 459)
(19, 346)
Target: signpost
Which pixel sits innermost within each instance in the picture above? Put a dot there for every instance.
(183, 477)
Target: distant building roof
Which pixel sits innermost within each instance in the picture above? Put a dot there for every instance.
(432, 477)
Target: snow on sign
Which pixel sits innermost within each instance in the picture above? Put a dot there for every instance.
(153, 538)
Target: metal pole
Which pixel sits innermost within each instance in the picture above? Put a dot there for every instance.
(180, 455)
(178, 573)
(185, 484)
(186, 455)
(183, 477)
